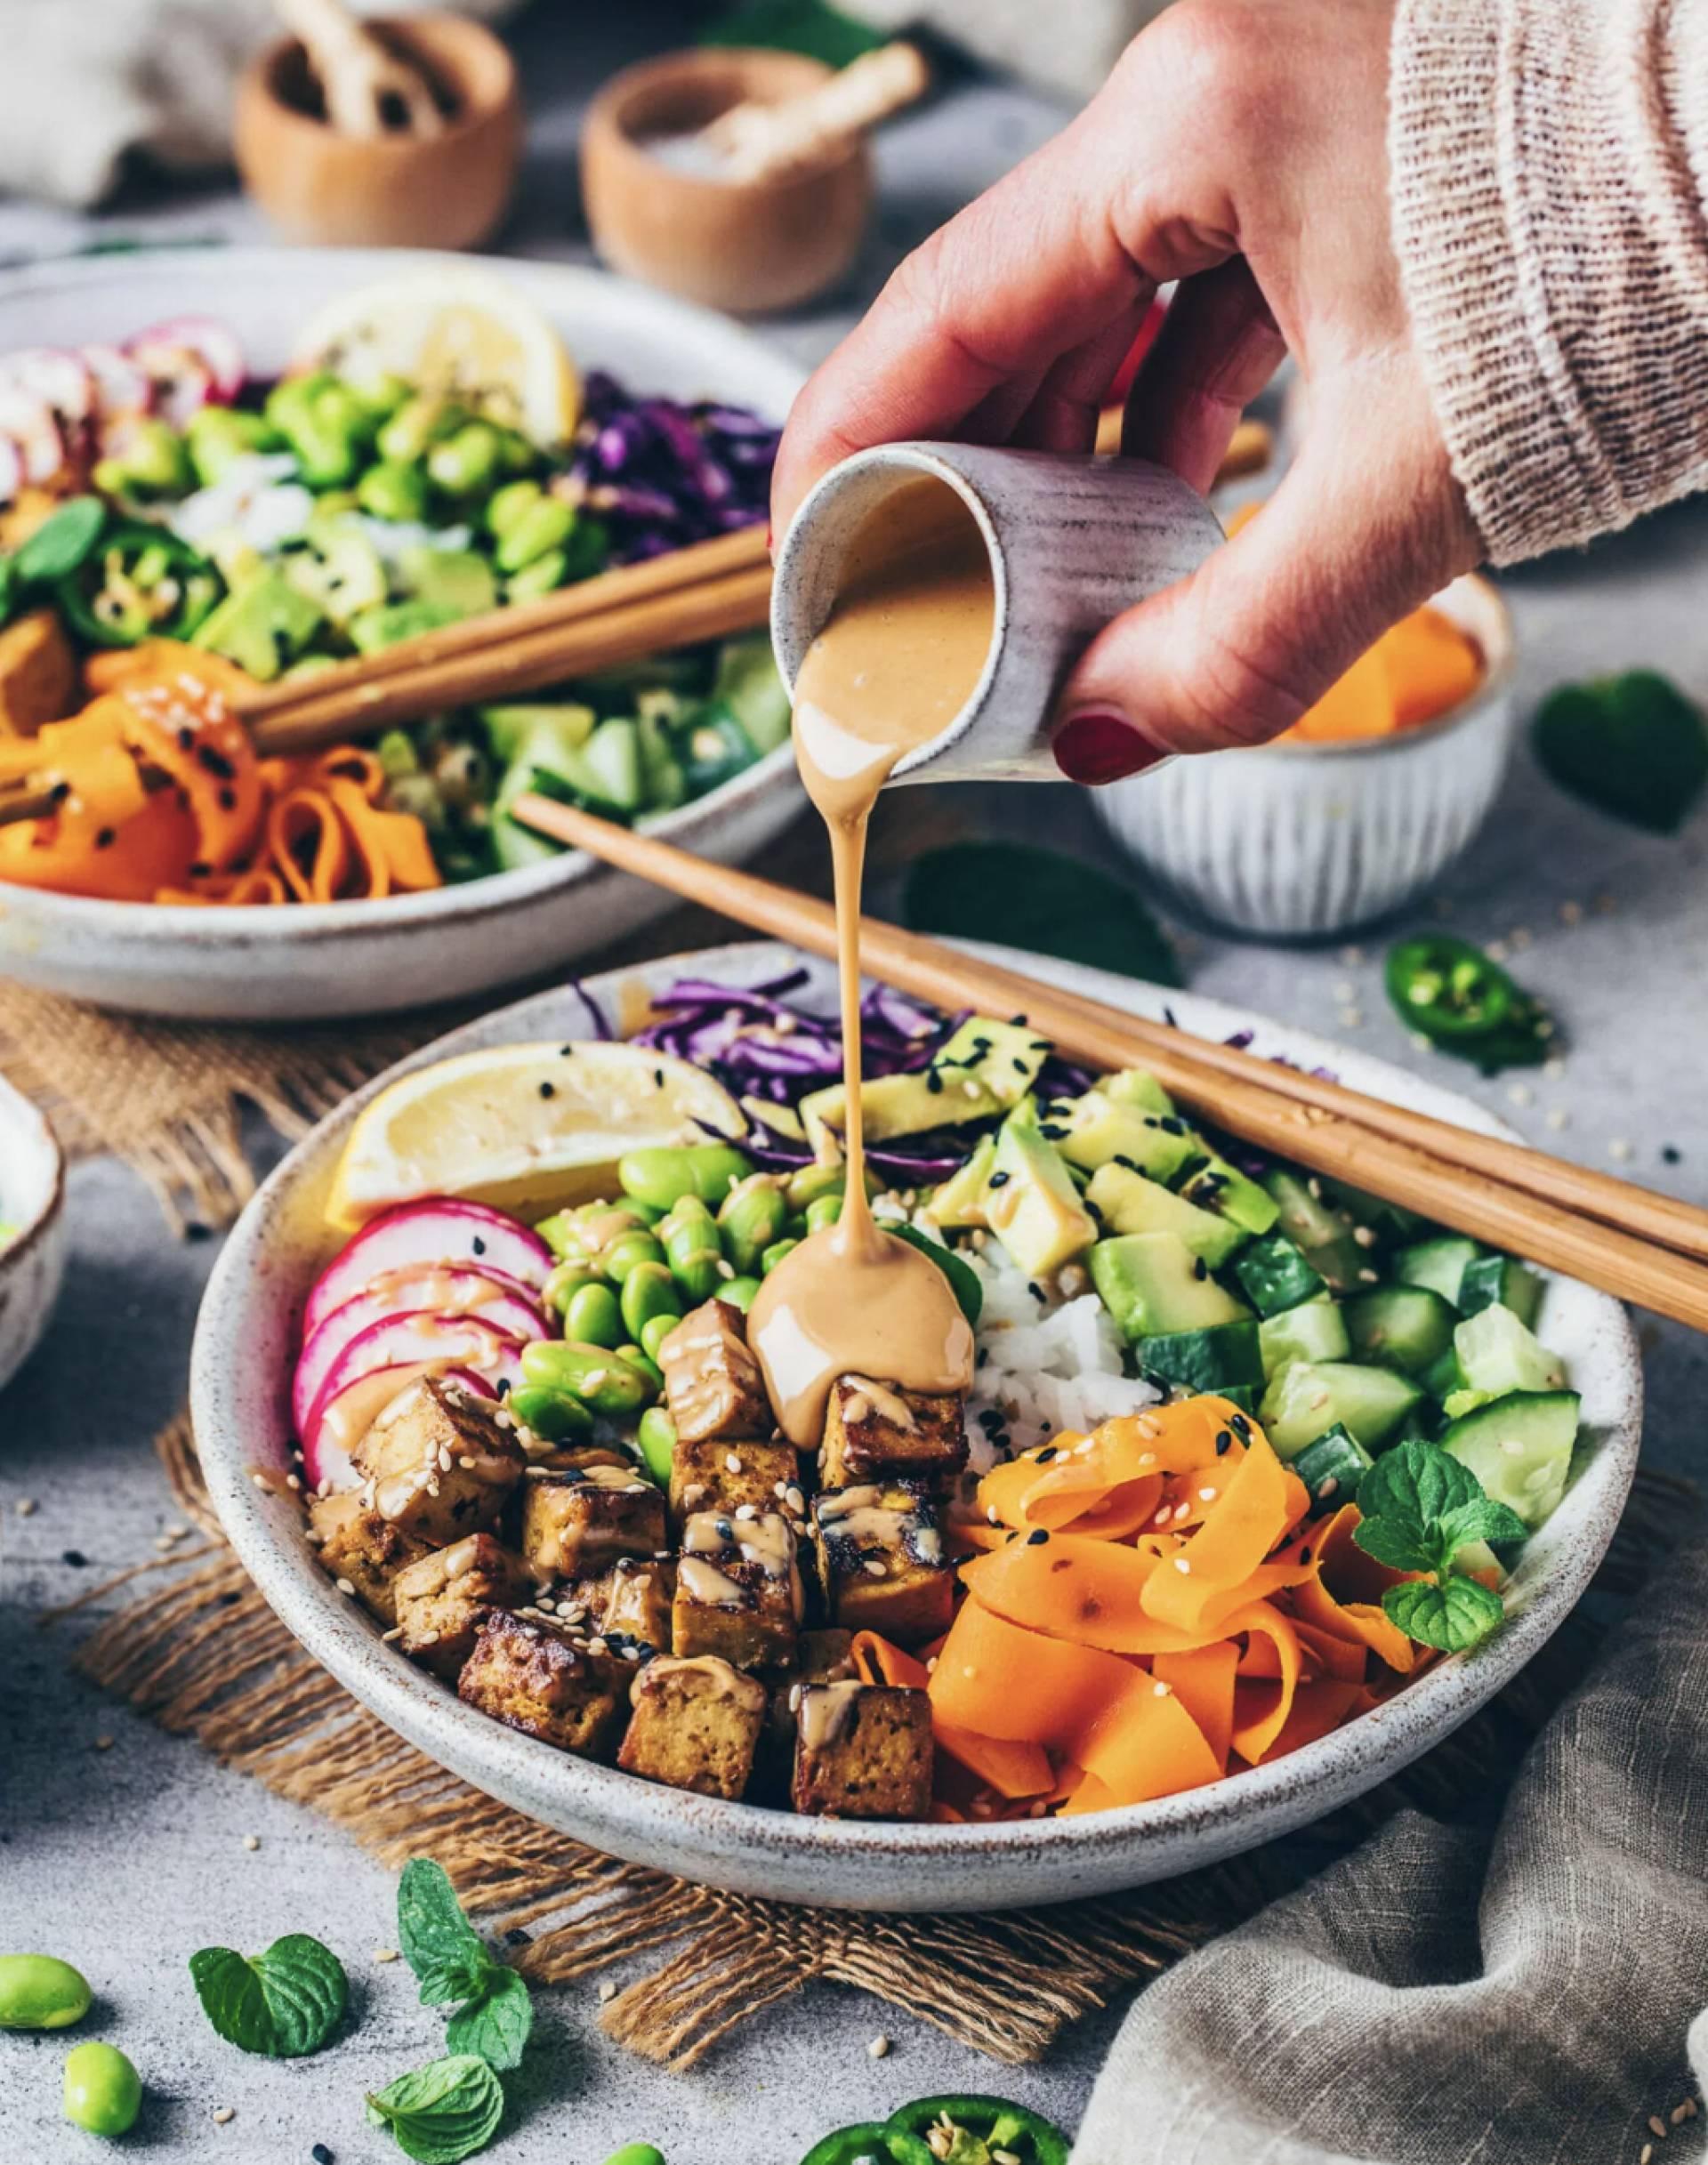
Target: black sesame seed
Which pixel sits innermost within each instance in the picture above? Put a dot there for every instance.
(1241, 1427)
(659, 1077)
(1224, 1442)
(321, 2155)
(1037, 1537)
(215, 762)
(934, 1082)
(1046, 1455)
(1304, 1555)
(75, 1557)
(1171, 1126)
(516, 1938)
(1200, 1269)
(479, 1245)
(186, 738)
(105, 839)
(228, 801)
(548, 1089)
(999, 1179)
(1671, 1154)
(1034, 1289)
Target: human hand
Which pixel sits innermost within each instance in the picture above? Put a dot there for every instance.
(1239, 147)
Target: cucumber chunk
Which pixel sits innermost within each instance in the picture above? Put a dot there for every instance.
(1314, 1331)
(1498, 1354)
(1274, 1276)
(1498, 1278)
(1306, 1400)
(1519, 1447)
(1439, 1264)
(1406, 1327)
(1215, 1360)
(1150, 1283)
(1332, 1467)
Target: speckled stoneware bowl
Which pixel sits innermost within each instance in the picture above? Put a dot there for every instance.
(1072, 541)
(32, 1198)
(361, 958)
(243, 1345)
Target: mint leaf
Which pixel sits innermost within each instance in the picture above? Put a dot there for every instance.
(1632, 745)
(1484, 1520)
(1033, 899)
(61, 543)
(964, 1280)
(1398, 1542)
(1453, 1615)
(285, 2003)
(440, 1946)
(1418, 1483)
(442, 2113)
(498, 2025)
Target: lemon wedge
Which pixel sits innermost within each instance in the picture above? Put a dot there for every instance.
(457, 333)
(525, 1128)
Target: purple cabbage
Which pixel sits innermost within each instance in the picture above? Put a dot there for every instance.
(662, 474)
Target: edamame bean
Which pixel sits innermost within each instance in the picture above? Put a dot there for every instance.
(103, 2092)
(564, 1282)
(154, 463)
(649, 1294)
(552, 1415)
(593, 1317)
(629, 1252)
(507, 505)
(637, 1357)
(656, 1438)
(599, 1376)
(750, 1218)
(707, 1170)
(636, 2154)
(419, 423)
(812, 1181)
(395, 489)
(325, 424)
(218, 435)
(534, 530)
(654, 1334)
(39, 1991)
(464, 463)
(543, 575)
(823, 1211)
(739, 1293)
(774, 1255)
(693, 1250)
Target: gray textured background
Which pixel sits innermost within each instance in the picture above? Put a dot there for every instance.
(125, 1860)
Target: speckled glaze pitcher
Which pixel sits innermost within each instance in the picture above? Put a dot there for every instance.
(1073, 540)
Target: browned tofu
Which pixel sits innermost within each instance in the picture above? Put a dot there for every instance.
(696, 1726)
(821, 1657)
(874, 1432)
(880, 1560)
(635, 1597)
(712, 1386)
(548, 1681)
(438, 1463)
(717, 1474)
(862, 1751)
(575, 1523)
(363, 1551)
(738, 1589)
(445, 1596)
(39, 673)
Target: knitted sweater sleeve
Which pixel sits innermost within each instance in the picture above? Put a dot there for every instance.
(1549, 204)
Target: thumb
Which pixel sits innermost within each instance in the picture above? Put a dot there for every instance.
(1235, 653)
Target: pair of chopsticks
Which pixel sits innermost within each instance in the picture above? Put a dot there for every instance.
(709, 591)
(1640, 1246)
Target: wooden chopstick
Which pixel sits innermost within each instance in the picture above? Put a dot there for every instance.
(1321, 1125)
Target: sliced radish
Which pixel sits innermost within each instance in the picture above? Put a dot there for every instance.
(12, 469)
(62, 379)
(461, 1341)
(437, 1229)
(327, 1459)
(431, 1288)
(122, 385)
(193, 361)
(29, 421)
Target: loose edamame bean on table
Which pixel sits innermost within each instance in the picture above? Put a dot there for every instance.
(636, 2154)
(103, 2092)
(39, 1991)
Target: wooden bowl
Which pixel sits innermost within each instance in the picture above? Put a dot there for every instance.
(746, 247)
(449, 190)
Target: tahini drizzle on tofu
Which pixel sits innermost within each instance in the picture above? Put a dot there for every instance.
(898, 659)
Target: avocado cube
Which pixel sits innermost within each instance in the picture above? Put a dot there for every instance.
(896, 1105)
(1218, 1186)
(263, 626)
(1153, 1285)
(1139, 1088)
(959, 1201)
(1128, 1203)
(455, 579)
(1095, 1129)
(1030, 1200)
(1005, 1057)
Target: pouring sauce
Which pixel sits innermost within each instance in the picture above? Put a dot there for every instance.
(899, 657)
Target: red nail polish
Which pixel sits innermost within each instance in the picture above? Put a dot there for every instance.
(1096, 748)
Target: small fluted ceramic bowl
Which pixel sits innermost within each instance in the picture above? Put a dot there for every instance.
(32, 1228)
(1301, 840)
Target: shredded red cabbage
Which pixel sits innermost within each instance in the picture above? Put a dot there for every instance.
(662, 474)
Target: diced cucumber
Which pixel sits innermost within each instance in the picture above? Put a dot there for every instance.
(1519, 1447)
(1138, 1088)
(1274, 1276)
(610, 763)
(1218, 1186)
(1332, 1467)
(1439, 1264)
(1406, 1327)
(1095, 1131)
(1306, 1400)
(1150, 1283)
(1244, 1396)
(1127, 1202)
(1314, 1331)
(663, 784)
(538, 723)
(1444, 1376)
(1388, 1221)
(1304, 1217)
(1498, 1354)
(1493, 1278)
(748, 683)
(1216, 1360)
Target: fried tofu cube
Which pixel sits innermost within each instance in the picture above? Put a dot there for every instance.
(821, 1657)
(712, 1386)
(719, 1474)
(738, 1589)
(696, 1725)
(862, 1751)
(363, 1551)
(444, 1597)
(635, 1597)
(575, 1523)
(874, 1432)
(880, 1560)
(438, 1463)
(548, 1681)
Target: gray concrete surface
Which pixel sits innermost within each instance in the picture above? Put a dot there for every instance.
(125, 1860)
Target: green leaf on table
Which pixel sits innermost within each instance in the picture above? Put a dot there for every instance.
(453, 1963)
(285, 2003)
(1632, 745)
(1020, 897)
(823, 33)
(963, 1279)
(61, 543)
(1457, 1614)
(497, 2024)
(442, 2113)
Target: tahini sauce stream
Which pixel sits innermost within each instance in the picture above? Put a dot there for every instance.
(898, 659)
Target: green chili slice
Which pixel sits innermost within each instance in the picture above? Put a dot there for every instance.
(871, 2142)
(975, 2129)
(139, 582)
(1447, 988)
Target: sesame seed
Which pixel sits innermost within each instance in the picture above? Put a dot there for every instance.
(1620, 1149)
(731, 1463)
(103, 1743)
(1352, 1018)
(261, 1480)
(428, 1638)
(1558, 1118)
(252, 1842)
(1206, 1495)
(606, 1990)
(1680, 2114)
(1161, 1690)
(222, 2113)
(26, 1507)
(391, 1637)
(1181, 1565)
(1521, 1093)
(876, 1568)
(1362, 1237)
(343, 1586)
(878, 2047)
(1645, 2153)
(1657, 2126)
(1570, 913)
(385, 1954)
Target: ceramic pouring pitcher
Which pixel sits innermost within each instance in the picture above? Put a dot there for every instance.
(1073, 539)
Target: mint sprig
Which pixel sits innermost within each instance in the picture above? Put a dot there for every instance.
(454, 1964)
(1419, 1508)
(285, 2003)
(443, 2113)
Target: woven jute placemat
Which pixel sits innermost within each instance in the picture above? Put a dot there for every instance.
(194, 1646)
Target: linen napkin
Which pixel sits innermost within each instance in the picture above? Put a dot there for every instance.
(1524, 1991)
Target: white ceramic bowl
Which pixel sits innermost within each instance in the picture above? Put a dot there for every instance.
(32, 1198)
(358, 958)
(245, 1340)
(1301, 840)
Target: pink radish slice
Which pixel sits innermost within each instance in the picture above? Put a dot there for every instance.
(29, 421)
(439, 1229)
(62, 379)
(461, 1341)
(193, 360)
(12, 469)
(121, 385)
(430, 1289)
(327, 1459)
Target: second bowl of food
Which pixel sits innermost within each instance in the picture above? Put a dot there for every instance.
(475, 1403)
(1354, 813)
(32, 1227)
